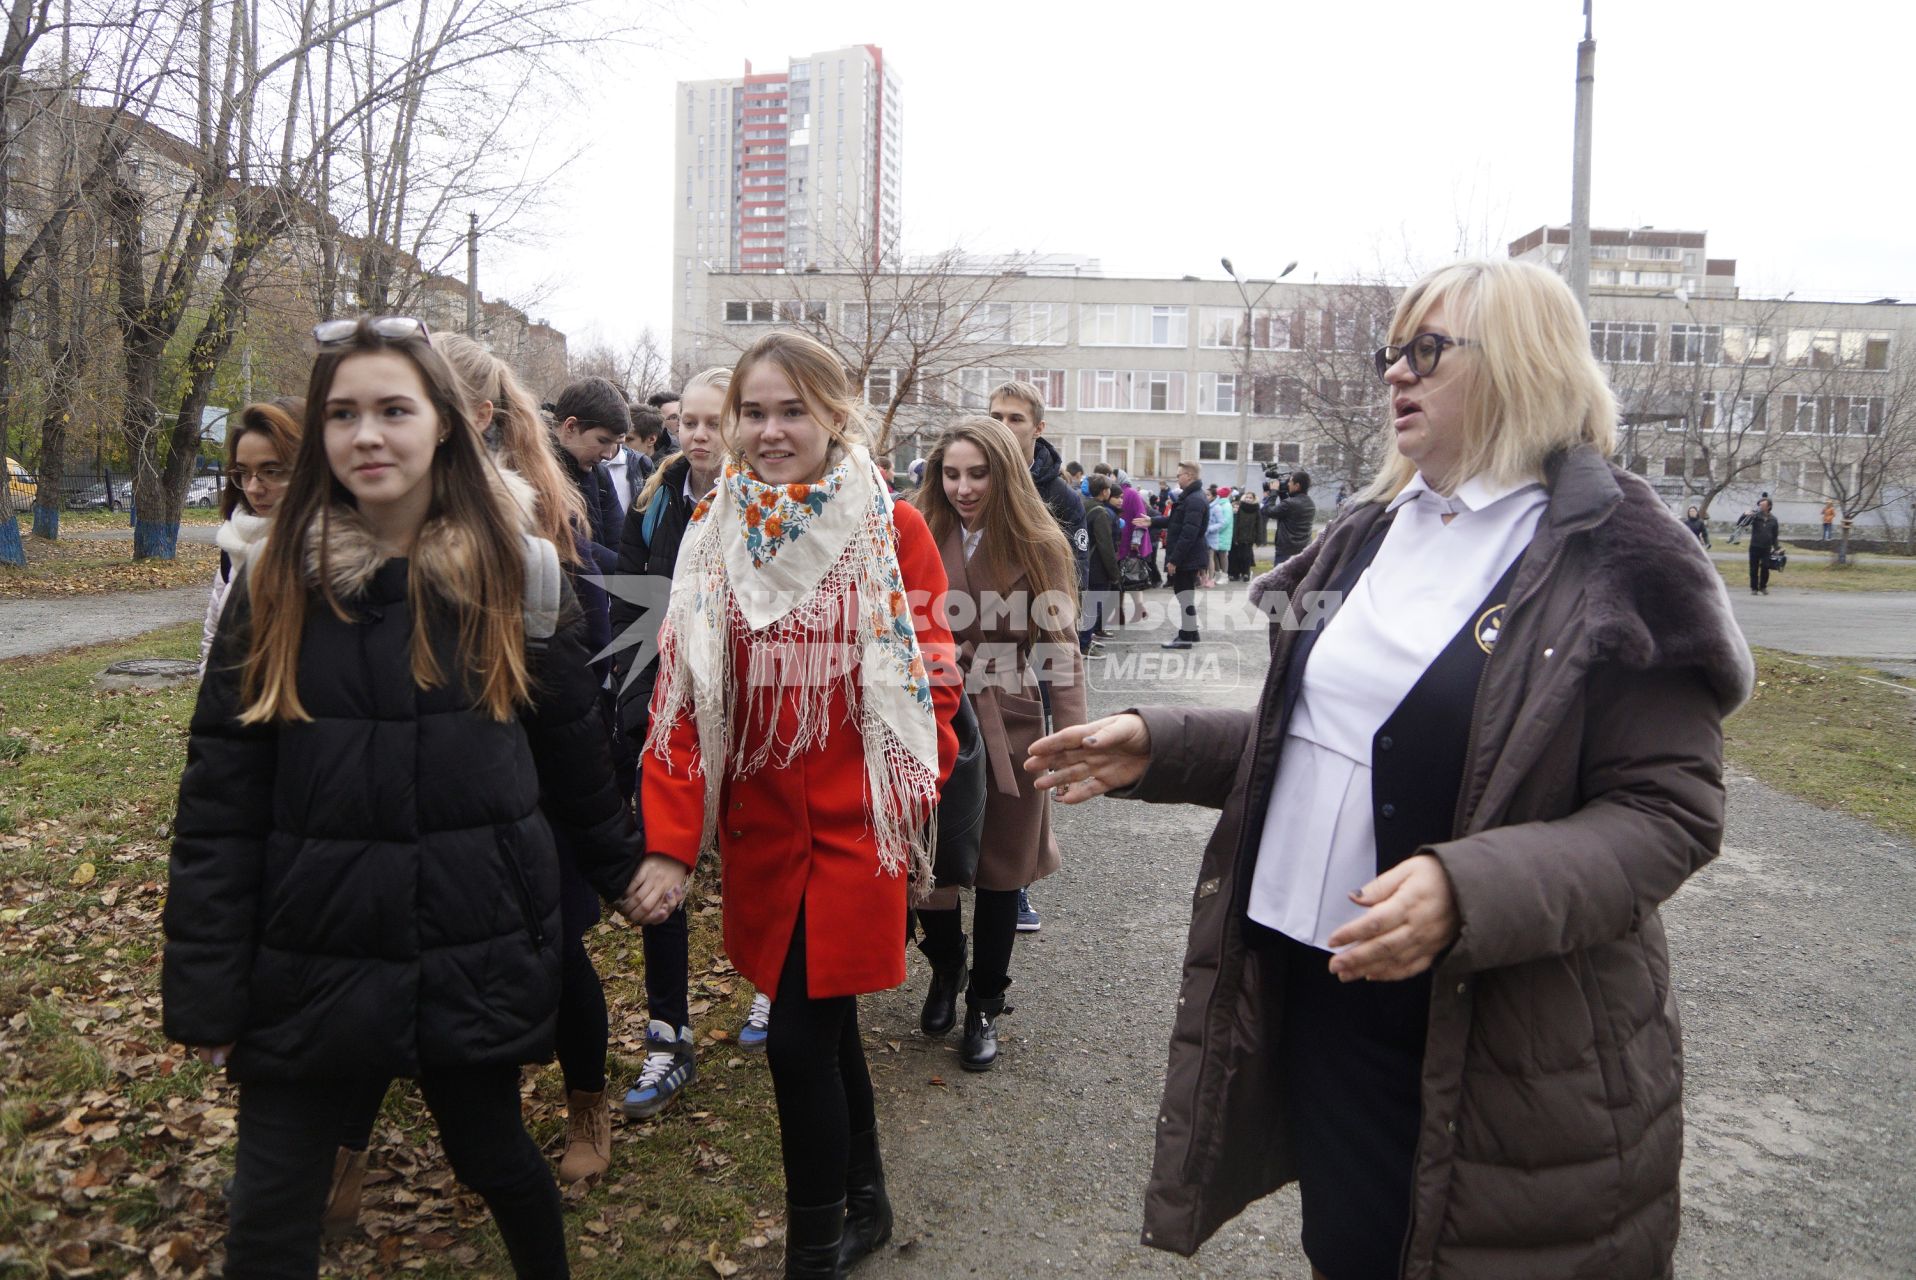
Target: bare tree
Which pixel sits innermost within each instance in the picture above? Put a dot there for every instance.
(1316, 366)
(638, 369)
(924, 340)
(1861, 451)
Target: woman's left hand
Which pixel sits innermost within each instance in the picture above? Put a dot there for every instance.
(656, 891)
(1412, 917)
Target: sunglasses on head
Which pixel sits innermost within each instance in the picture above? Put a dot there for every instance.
(331, 333)
(1421, 353)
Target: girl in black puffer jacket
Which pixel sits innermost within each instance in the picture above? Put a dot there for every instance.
(363, 882)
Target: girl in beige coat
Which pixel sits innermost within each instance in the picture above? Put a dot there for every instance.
(1013, 610)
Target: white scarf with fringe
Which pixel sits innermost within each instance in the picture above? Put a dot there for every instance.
(804, 581)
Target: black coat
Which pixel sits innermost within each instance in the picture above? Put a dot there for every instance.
(1296, 512)
(1184, 528)
(1103, 525)
(602, 508)
(1064, 501)
(1764, 532)
(375, 891)
(640, 558)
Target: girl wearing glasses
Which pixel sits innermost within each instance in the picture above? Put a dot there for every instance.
(801, 728)
(1427, 977)
(363, 883)
(259, 458)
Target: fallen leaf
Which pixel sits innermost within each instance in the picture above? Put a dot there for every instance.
(715, 1258)
(82, 875)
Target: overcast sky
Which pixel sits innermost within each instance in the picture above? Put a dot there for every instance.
(1387, 134)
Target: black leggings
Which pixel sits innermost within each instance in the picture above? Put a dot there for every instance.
(581, 1036)
(994, 928)
(819, 1075)
(287, 1134)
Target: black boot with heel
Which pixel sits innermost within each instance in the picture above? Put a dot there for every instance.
(813, 1237)
(980, 1048)
(868, 1217)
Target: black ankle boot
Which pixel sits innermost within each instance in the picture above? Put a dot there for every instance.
(868, 1217)
(980, 1048)
(812, 1238)
(940, 1013)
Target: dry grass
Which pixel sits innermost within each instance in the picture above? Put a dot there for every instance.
(73, 567)
(113, 1145)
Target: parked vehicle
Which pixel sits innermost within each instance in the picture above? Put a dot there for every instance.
(93, 497)
(203, 492)
(20, 484)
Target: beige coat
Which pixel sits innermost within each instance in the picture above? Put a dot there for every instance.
(1002, 663)
(1552, 1083)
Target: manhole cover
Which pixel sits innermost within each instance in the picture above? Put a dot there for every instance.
(148, 673)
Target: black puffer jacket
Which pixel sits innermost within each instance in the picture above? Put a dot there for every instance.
(375, 891)
(1184, 530)
(1296, 512)
(640, 557)
(1065, 502)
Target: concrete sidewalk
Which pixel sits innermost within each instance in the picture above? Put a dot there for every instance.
(1790, 956)
(42, 626)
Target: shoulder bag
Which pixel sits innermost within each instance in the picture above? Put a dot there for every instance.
(961, 805)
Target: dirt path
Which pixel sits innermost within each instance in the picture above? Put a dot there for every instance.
(1794, 965)
(41, 626)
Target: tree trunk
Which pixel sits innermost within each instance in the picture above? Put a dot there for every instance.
(62, 374)
(259, 221)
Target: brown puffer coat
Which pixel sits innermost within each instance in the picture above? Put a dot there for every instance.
(1552, 1087)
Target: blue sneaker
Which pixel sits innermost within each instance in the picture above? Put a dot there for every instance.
(1028, 921)
(670, 1066)
(758, 1023)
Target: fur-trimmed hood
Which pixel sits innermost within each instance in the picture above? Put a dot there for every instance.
(1653, 598)
(353, 554)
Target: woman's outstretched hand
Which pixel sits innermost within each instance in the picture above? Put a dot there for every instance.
(1088, 760)
(1412, 918)
(656, 891)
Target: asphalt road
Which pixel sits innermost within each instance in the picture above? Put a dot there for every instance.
(41, 626)
(1793, 961)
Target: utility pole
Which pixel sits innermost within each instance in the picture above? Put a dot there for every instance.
(1244, 369)
(472, 275)
(1578, 274)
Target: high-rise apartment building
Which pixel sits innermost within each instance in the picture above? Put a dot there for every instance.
(781, 170)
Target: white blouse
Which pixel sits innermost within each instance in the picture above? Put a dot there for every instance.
(1319, 844)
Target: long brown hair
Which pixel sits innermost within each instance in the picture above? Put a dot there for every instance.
(279, 421)
(485, 576)
(1019, 534)
(518, 435)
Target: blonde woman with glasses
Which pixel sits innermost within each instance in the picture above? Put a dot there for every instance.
(1427, 977)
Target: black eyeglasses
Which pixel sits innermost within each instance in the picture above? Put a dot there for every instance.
(330, 333)
(1421, 352)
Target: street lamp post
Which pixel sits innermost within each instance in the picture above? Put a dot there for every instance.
(1244, 371)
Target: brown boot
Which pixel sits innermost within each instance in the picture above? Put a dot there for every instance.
(342, 1201)
(588, 1137)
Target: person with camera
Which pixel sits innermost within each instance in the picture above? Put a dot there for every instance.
(1292, 515)
(1765, 538)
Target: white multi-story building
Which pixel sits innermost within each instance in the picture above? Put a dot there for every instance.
(784, 170)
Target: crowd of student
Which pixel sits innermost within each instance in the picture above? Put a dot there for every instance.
(1426, 974)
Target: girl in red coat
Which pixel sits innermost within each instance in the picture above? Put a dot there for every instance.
(801, 728)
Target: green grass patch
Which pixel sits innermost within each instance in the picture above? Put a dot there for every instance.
(1837, 734)
(1819, 572)
(114, 1144)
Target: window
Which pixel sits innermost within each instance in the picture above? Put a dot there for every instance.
(1696, 343)
(1042, 324)
(1170, 453)
(1090, 451)
(1328, 457)
(880, 384)
(1216, 451)
(1050, 384)
(1136, 391)
(1812, 348)
(1804, 415)
(1623, 341)
(750, 313)
(1743, 344)
(1104, 324)
(1271, 329)
(1290, 455)
(1789, 478)
(1748, 414)
(987, 322)
(1857, 415)
(1673, 468)
(1217, 393)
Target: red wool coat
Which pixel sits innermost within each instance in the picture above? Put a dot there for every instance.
(798, 835)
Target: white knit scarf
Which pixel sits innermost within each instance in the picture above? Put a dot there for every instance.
(804, 581)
